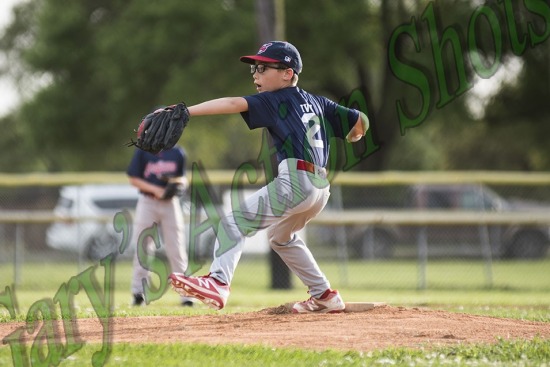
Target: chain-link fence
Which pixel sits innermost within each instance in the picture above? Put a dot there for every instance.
(372, 221)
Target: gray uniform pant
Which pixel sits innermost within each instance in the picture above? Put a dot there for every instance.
(282, 207)
(168, 215)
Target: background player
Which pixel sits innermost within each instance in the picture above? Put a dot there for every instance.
(301, 125)
(150, 174)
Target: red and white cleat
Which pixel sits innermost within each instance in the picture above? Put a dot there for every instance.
(204, 288)
(330, 302)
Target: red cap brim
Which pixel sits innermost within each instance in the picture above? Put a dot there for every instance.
(253, 58)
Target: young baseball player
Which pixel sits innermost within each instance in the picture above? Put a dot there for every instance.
(150, 174)
(301, 125)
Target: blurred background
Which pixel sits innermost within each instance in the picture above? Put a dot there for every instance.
(465, 182)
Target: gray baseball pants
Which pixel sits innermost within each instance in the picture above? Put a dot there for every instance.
(282, 207)
(168, 215)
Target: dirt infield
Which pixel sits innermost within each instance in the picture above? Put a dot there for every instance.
(380, 328)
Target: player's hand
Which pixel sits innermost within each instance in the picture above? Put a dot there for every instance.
(359, 129)
(353, 139)
(158, 193)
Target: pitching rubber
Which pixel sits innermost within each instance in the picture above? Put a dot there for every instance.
(351, 306)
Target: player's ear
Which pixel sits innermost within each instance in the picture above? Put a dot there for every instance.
(288, 74)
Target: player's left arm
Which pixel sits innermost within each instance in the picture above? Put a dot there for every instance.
(359, 129)
(181, 180)
(220, 106)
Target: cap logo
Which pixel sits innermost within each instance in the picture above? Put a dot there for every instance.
(288, 59)
(264, 48)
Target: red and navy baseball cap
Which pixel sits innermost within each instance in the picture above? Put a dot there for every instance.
(277, 51)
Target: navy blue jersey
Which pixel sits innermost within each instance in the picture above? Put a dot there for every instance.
(300, 123)
(155, 168)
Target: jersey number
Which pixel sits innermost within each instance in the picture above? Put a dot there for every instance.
(312, 130)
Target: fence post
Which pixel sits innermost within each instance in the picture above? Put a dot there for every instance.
(422, 243)
(341, 236)
(368, 244)
(79, 229)
(485, 241)
(280, 273)
(487, 254)
(18, 254)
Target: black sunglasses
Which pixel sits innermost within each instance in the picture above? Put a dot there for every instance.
(260, 68)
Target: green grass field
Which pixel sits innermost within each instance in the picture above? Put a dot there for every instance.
(518, 290)
(520, 353)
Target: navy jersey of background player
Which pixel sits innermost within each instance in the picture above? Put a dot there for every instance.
(154, 167)
(300, 123)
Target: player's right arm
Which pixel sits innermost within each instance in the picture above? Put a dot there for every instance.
(145, 186)
(220, 106)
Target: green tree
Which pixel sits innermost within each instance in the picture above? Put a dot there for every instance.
(92, 68)
(511, 134)
(108, 63)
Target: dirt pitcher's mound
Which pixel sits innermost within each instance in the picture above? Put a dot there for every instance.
(378, 328)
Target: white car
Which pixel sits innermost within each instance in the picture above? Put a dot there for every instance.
(93, 236)
(85, 224)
